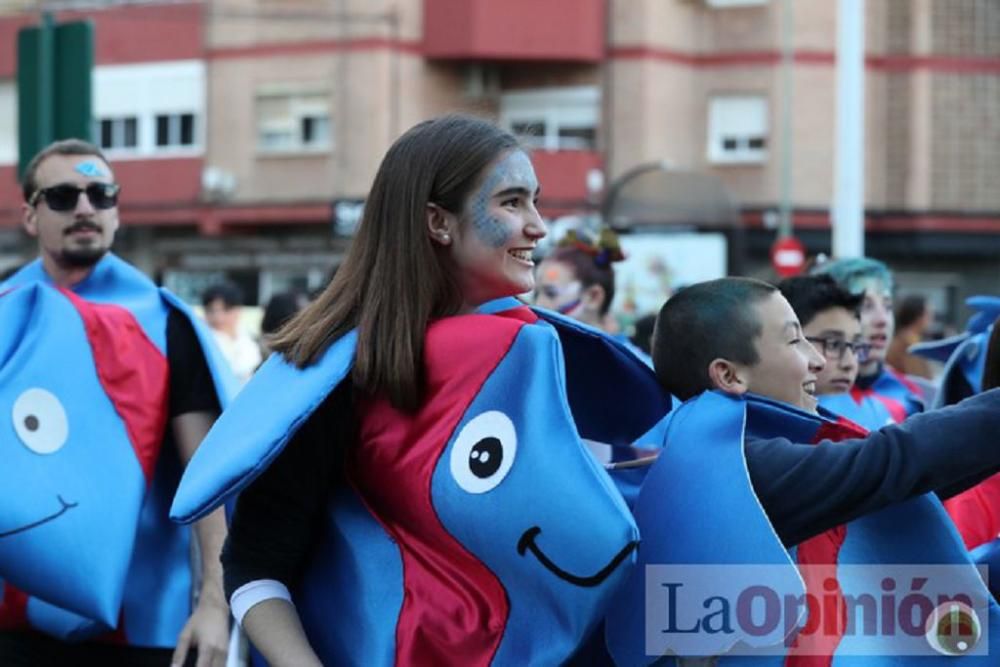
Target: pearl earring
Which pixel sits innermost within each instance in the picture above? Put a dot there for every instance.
(446, 237)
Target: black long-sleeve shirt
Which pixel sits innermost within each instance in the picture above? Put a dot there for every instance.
(805, 489)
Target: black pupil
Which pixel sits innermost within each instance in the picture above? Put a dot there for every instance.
(31, 423)
(486, 457)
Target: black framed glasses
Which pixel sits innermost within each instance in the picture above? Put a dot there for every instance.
(64, 197)
(834, 348)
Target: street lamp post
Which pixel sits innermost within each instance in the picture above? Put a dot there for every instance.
(848, 205)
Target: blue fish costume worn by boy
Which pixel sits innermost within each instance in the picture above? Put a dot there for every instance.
(893, 391)
(701, 479)
(86, 545)
(475, 531)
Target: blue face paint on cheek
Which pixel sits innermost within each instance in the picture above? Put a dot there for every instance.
(90, 169)
(515, 170)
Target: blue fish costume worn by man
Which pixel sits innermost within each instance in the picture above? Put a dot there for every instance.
(683, 597)
(475, 531)
(86, 546)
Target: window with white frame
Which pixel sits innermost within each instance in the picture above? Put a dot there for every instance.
(293, 122)
(150, 110)
(553, 118)
(120, 133)
(737, 129)
(174, 130)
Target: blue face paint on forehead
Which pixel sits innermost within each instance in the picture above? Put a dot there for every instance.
(513, 171)
(90, 169)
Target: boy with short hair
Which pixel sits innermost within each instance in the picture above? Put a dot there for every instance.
(770, 473)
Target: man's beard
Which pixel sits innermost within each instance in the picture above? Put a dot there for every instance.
(82, 258)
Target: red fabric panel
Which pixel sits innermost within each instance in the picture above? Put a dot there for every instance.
(454, 608)
(976, 512)
(13, 608)
(815, 646)
(118, 636)
(523, 313)
(133, 372)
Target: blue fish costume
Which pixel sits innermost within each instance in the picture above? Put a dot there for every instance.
(85, 542)
(868, 412)
(476, 531)
(895, 392)
(705, 454)
(963, 355)
(975, 511)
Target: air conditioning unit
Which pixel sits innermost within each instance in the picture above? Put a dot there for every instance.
(217, 184)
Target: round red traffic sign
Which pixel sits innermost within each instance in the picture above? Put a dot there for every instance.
(788, 256)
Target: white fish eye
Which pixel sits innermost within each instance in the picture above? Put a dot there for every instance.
(40, 421)
(484, 452)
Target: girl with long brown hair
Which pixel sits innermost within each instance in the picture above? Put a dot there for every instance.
(449, 224)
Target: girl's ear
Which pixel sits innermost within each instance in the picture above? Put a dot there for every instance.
(439, 224)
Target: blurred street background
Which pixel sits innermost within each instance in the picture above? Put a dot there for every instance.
(246, 132)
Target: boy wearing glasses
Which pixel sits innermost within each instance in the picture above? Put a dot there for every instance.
(752, 473)
(830, 320)
(872, 281)
(134, 330)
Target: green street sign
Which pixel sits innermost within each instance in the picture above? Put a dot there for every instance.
(54, 89)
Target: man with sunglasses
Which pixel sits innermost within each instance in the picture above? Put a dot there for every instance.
(71, 208)
(831, 322)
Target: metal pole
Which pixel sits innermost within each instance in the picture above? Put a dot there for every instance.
(787, 110)
(46, 74)
(848, 206)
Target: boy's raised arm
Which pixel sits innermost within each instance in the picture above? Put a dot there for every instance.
(806, 489)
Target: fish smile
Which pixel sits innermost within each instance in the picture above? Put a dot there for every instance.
(527, 542)
(65, 508)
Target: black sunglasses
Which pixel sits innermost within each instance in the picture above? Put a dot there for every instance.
(64, 197)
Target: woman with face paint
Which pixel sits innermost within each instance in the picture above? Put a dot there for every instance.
(578, 279)
(450, 223)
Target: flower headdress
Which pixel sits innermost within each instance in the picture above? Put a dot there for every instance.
(605, 250)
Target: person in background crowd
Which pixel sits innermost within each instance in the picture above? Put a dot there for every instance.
(223, 305)
(578, 279)
(280, 308)
(642, 338)
(913, 317)
(872, 280)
